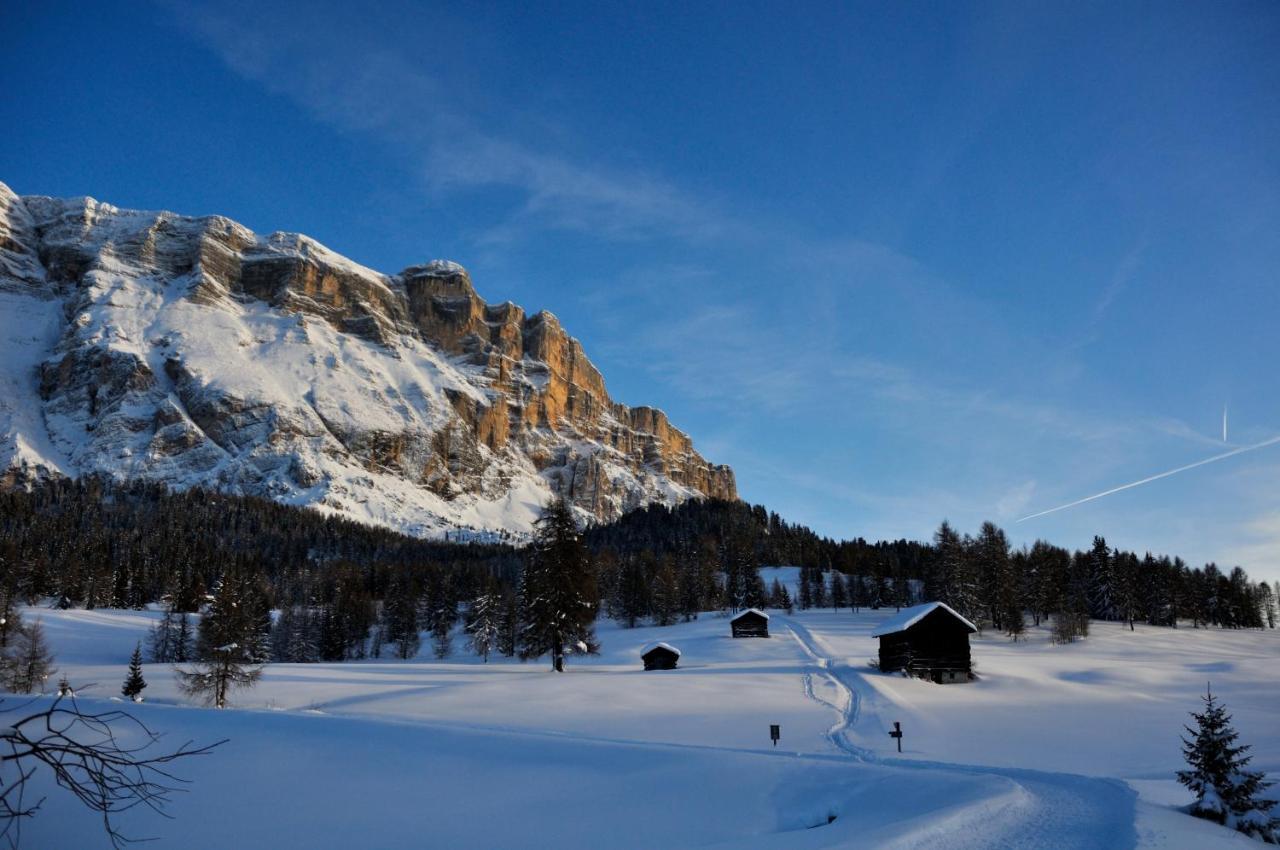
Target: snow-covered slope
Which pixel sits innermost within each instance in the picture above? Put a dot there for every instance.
(1054, 747)
(191, 351)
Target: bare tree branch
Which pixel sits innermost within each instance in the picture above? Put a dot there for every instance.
(100, 757)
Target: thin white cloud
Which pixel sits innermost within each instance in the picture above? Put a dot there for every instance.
(376, 87)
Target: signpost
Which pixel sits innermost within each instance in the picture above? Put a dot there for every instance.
(896, 733)
(775, 732)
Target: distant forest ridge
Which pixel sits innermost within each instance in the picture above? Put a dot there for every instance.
(91, 543)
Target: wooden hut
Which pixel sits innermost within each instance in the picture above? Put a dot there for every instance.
(750, 623)
(929, 640)
(659, 656)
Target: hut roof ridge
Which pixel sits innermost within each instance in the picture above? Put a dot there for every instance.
(908, 617)
(657, 644)
(748, 611)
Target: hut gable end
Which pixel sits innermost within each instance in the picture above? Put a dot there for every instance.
(930, 641)
(750, 623)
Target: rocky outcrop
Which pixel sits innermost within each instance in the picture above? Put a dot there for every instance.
(192, 351)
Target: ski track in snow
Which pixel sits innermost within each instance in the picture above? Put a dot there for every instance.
(689, 742)
(1081, 812)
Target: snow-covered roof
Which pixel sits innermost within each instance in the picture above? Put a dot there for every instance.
(749, 611)
(908, 617)
(650, 647)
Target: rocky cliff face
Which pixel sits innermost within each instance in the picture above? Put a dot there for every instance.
(193, 352)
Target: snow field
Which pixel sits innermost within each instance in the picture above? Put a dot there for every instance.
(464, 754)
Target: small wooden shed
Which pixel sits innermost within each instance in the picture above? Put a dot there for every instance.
(750, 623)
(930, 641)
(659, 656)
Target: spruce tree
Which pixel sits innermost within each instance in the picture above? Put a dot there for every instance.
(690, 581)
(666, 596)
(819, 589)
(838, 592)
(1226, 791)
(163, 637)
(558, 591)
(184, 641)
(1102, 590)
(775, 594)
(134, 683)
(857, 593)
(991, 563)
(442, 632)
(631, 602)
(400, 617)
(509, 624)
(10, 616)
(484, 624)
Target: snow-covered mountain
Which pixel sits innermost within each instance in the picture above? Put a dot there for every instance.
(191, 351)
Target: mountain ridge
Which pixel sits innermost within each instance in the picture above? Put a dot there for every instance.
(192, 351)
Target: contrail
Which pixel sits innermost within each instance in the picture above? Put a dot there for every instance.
(1222, 456)
(1224, 423)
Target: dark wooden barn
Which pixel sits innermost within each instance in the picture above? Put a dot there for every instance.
(659, 656)
(750, 623)
(930, 641)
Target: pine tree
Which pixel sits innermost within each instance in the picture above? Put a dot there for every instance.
(10, 616)
(558, 591)
(818, 587)
(944, 582)
(1226, 791)
(775, 594)
(509, 624)
(484, 625)
(991, 565)
(666, 596)
(1101, 581)
(857, 593)
(753, 593)
(183, 642)
(806, 591)
(690, 582)
(1127, 574)
(400, 617)
(163, 637)
(784, 599)
(631, 601)
(134, 683)
(442, 638)
(838, 592)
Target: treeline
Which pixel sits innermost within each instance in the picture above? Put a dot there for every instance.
(995, 587)
(88, 543)
(345, 590)
(552, 612)
(721, 531)
(1101, 584)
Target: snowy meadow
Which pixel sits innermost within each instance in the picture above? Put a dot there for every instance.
(1053, 746)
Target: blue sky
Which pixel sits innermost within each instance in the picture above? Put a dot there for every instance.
(892, 262)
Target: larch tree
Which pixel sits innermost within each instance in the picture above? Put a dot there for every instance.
(27, 662)
(226, 646)
(558, 591)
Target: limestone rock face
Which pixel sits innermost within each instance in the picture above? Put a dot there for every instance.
(193, 352)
